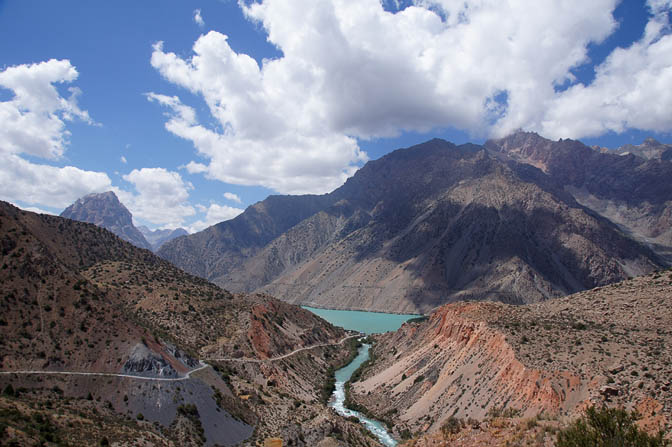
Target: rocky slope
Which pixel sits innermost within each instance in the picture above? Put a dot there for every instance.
(420, 227)
(75, 298)
(472, 360)
(106, 211)
(157, 238)
(630, 186)
(649, 149)
(214, 251)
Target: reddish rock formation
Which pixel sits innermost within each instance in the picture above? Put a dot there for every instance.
(470, 360)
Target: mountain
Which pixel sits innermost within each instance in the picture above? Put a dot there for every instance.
(106, 211)
(157, 238)
(101, 339)
(546, 361)
(415, 229)
(649, 149)
(631, 186)
(214, 251)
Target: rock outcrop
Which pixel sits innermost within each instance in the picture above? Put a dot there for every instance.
(142, 361)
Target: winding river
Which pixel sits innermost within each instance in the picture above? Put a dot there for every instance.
(368, 323)
(337, 401)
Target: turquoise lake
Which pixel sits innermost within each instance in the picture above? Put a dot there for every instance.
(366, 322)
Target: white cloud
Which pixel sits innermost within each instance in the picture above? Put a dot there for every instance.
(33, 122)
(21, 180)
(162, 197)
(123, 159)
(351, 70)
(198, 18)
(233, 197)
(37, 210)
(265, 139)
(214, 214)
(631, 89)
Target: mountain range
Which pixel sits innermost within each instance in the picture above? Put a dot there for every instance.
(157, 238)
(517, 220)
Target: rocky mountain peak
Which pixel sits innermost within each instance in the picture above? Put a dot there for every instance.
(106, 211)
(651, 142)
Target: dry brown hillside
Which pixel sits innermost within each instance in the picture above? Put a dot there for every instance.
(77, 299)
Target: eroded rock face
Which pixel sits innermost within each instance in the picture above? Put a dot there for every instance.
(142, 361)
(628, 185)
(603, 346)
(457, 365)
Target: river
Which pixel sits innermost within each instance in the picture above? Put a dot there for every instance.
(368, 323)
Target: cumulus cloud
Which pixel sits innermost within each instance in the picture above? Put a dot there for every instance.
(21, 180)
(198, 19)
(631, 88)
(233, 197)
(352, 70)
(123, 159)
(161, 197)
(214, 214)
(265, 138)
(33, 122)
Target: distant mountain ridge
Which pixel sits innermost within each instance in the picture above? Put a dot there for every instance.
(159, 237)
(650, 149)
(419, 227)
(106, 211)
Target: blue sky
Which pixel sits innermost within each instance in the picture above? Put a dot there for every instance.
(193, 110)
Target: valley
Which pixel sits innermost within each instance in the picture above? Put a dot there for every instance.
(336, 223)
(508, 294)
(550, 360)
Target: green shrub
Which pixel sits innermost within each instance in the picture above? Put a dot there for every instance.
(9, 390)
(452, 426)
(607, 427)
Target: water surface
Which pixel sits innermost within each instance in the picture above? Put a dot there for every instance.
(357, 320)
(368, 323)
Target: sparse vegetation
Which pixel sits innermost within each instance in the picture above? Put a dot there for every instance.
(607, 427)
